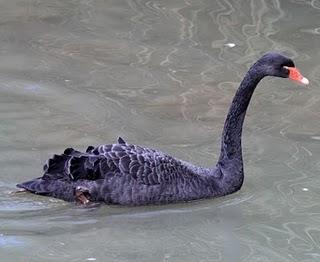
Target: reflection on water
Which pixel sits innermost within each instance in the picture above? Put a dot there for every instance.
(75, 73)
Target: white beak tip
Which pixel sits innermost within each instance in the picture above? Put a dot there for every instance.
(305, 81)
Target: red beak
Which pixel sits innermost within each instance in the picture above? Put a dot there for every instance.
(295, 75)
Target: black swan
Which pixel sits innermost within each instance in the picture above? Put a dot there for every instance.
(127, 174)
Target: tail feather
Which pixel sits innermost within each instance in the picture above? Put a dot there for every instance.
(61, 173)
(55, 188)
(33, 186)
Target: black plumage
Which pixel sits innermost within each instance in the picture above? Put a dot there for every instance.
(127, 174)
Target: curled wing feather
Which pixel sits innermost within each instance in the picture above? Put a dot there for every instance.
(147, 166)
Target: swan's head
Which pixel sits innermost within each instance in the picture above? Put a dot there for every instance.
(274, 64)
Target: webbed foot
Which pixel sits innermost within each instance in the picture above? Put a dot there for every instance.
(82, 195)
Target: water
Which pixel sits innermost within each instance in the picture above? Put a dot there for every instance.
(160, 74)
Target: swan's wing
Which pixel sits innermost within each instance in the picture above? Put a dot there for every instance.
(145, 165)
(120, 141)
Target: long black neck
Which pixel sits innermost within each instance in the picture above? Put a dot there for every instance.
(232, 132)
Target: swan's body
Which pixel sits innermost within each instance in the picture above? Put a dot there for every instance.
(124, 174)
(127, 174)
